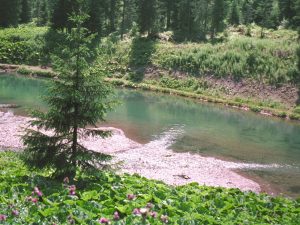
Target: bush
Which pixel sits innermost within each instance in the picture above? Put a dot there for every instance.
(255, 109)
(294, 116)
(21, 45)
(297, 110)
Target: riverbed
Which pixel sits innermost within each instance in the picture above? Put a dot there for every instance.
(268, 146)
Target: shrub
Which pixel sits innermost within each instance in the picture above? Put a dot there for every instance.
(294, 116)
(255, 109)
(297, 110)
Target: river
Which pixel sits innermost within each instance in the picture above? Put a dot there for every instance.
(207, 129)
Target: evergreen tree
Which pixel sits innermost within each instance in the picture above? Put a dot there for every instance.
(186, 19)
(201, 16)
(234, 16)
(218, 16)
(287, 10)
(42, 13)
(77, 99)
(247, 12)
(95, 22)
(25, 15)
(296, 18)
(263, 15)
(9, 12)
(146, 15)
(61, 12)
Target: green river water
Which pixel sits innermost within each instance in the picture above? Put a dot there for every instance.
(208, 129)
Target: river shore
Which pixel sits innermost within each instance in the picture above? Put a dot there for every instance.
(256, 107)
(153, 160)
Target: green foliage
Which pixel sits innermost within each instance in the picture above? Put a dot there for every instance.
(255, 109)
(294, 116)
(76, 99)
(101, 195)
(10, 12)
(36, 73)
(21, 45)
(146, 15)
(297, 110)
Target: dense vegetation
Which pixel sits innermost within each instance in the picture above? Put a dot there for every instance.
(188, 19)
(125, 200)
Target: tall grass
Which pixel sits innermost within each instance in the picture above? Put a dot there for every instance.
(270, 61)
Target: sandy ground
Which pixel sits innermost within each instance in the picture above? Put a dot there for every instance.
(153, 160)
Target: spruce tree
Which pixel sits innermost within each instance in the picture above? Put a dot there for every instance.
(61, 12)
(25, 12)
(287, 10)
(218, 16)
(247, 12)
(76, 99)
(234, 17)
(9, 12)
(146, 15)
(95, 21)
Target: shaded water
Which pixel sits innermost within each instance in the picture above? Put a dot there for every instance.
(209, 130)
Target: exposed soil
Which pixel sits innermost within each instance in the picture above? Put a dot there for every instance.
(286, 94)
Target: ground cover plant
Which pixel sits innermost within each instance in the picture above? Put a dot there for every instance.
(22, 45)
(32, 197)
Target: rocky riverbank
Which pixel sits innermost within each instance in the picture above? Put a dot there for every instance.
(153, 160)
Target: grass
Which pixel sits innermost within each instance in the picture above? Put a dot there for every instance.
(35, 73)
(271, 60)
(32, 197)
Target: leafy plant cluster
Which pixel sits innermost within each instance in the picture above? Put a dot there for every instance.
(21, 45)
(31, 197)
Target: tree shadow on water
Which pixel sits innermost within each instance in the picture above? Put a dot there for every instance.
(140, 55)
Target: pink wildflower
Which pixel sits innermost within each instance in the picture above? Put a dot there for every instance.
(164, 218)
(136, 211)
(72, 190)
(116, 216)
(144, 211)
(153, 214)
(15, 212)
(36, 189)
(131, 197)
(2, 217)
(34, 200)
(104, 220)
